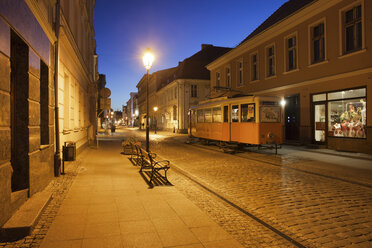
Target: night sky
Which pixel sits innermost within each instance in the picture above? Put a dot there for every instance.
(173, 29)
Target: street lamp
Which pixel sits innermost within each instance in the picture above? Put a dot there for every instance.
(155, 122)
(147, 59)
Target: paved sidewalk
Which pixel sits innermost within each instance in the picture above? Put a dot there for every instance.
(110, 205)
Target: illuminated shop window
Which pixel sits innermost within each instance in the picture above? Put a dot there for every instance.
(347, 113)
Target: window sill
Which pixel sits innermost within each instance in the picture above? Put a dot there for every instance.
(43, 147)
(346, 55)
(66, 131)
(289, 72)
(270, 77)
(254, 81)
(318, 63)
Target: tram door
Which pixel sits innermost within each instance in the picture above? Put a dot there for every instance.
(226, 126)
(292, 117)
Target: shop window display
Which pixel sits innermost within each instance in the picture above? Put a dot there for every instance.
(347, 118)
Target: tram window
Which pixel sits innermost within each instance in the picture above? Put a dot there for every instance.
(216, 114)
(200, 116)
(207, 115)
(247, 113)
(235, 113)
(225, 113)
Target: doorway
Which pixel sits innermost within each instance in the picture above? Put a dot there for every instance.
(19, 113)
(319, 133)
(292, 117)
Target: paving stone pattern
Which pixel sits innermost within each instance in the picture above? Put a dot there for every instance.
(313, 210)
(60, 187)
(243, 229)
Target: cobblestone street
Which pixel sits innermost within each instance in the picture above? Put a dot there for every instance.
(315, 203)
(261, 199)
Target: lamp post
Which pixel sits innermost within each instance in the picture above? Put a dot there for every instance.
(147, 59)
(155, 122)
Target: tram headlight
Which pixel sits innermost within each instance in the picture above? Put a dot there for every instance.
(270, 137)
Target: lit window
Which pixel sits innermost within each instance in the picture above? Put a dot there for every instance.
(235, 113)
(247, 111)
(347, 113)
(216, 115)
(207, 115)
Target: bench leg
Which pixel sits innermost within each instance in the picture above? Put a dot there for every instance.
(152, 175)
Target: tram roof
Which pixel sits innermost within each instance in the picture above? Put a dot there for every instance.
(222, 100)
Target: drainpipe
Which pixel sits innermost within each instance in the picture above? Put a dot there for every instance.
(57, 157)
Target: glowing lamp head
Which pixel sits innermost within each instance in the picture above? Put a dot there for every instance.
(147, 59)
(155, 109)
(282, 102)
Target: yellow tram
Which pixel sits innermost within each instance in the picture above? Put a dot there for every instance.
(254, 120)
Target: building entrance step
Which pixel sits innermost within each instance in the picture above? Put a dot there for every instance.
(25, 218)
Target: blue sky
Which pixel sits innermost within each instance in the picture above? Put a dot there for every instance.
(173, 29)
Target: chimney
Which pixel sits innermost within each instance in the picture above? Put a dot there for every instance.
(203, 46)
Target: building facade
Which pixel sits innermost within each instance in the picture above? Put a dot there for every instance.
(132, 109)
(31, 52)
(153, 80)
(315, 56)
(173, 91)
(77, 74)
(174, 101)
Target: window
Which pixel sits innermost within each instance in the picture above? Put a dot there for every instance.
(207, 115)
(66, 105)
(174, 112)
(270, 113)
(240, 73)
(347, 118)
(270, 61)
(254, 67)
(44, 104)
(346, 112)
(228, 78)
(317, 43)
(291, 53)
(216, 115)
(194, 90)
(235, 113)
(175, 93)
(218, 79)
(247, 111)
(200, 116)
(225, 113)
(352, 28)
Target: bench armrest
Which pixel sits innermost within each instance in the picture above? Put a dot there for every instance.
(163, 163)
(152, 154)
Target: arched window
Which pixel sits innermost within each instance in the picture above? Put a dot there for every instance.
(174, 112)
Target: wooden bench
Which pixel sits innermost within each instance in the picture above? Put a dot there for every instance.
(149, 162)
(136, 156)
